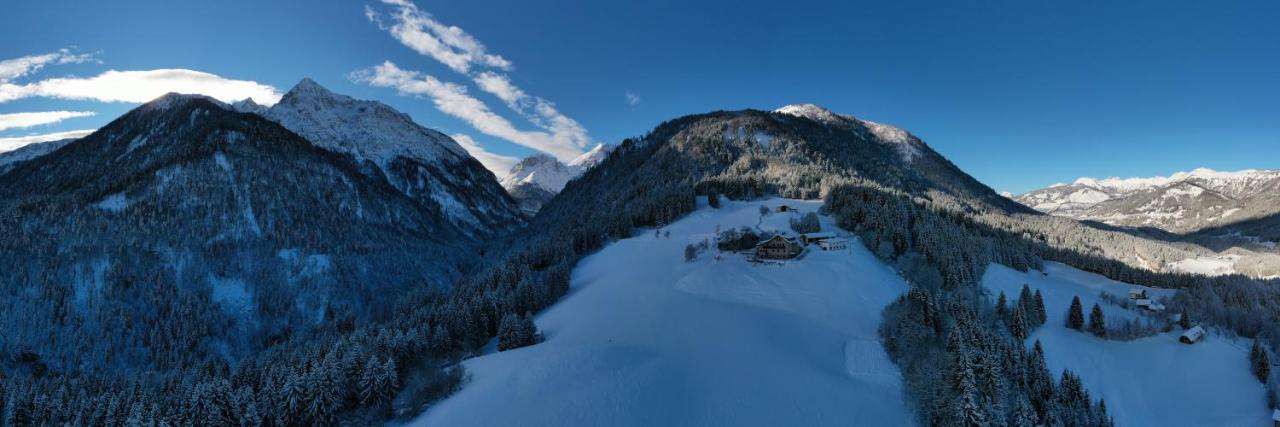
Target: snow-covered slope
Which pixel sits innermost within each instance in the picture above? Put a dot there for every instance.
(645, 338)
(537, 178)
(422, 163)
(1182, 202)
(1154, 381)
(28, 152)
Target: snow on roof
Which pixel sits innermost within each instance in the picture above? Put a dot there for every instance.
(1194, 332)
(1275, 415)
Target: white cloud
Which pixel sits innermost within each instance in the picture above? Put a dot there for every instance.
(632, 99)
(26, 120)
(448, 44)
(141, 86)
(498, 164)
(18, 67)
(10, 144)
(453, 99)
(464, 54)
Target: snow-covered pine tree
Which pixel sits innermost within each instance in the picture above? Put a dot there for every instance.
(1018, 324)
(1097, 322)
(1075, 315)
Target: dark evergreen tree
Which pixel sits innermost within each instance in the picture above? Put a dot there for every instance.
(1041, 314)
(1018, 324)
(1184, 320)
(1261, 361)
(1097, 322)
(1075, 315)
(1002, 306)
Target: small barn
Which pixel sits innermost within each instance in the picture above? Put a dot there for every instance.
(778, 247)
(811, 238)
(1137, 293)
(1192, 336)
(833, 244)
(1149, 305)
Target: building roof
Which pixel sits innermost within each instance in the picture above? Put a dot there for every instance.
(1275, 415)
(775, 237)
(1195, 331)
(1137, 291)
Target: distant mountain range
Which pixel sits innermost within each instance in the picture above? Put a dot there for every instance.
(1185, 202)
(536, 179)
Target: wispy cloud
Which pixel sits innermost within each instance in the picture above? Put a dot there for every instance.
(10, 144)
(11, 69)
(453, 99)
(464, 54)
(498, 164)
(26, 120)
(141, 86)
(632, 98)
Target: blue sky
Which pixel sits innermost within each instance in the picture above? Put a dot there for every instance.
(1019, 94)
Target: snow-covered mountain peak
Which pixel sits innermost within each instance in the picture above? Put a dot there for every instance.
(591, 158)
(811, 111)
(174, 99)
(542, 171)
(247, 105)
(370, 130)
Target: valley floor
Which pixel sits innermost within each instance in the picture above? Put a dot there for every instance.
(645, 338)
(1155, 381)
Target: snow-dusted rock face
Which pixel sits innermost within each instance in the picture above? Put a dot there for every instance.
(536, 179)
(1182, 202)
(540, 170)
(907, 145)
(591, 158)
(422, 163)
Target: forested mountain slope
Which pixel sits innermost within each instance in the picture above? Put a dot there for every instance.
(184, 232)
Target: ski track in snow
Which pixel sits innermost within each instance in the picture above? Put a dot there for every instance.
(1153, 381)
(644, 338)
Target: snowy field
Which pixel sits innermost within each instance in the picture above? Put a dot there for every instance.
(1154, 381)
(646, 339)
(1209, 266)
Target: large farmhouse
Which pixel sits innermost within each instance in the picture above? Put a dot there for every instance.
(778, 247)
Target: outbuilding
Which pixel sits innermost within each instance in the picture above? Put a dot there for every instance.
(1149, 305)
(833, 244)
(811, 238)
(1137, 293)
(778, 247)
(1192, 336)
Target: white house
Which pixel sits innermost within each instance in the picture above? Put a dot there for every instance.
(1192, 336)
(833, 244)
